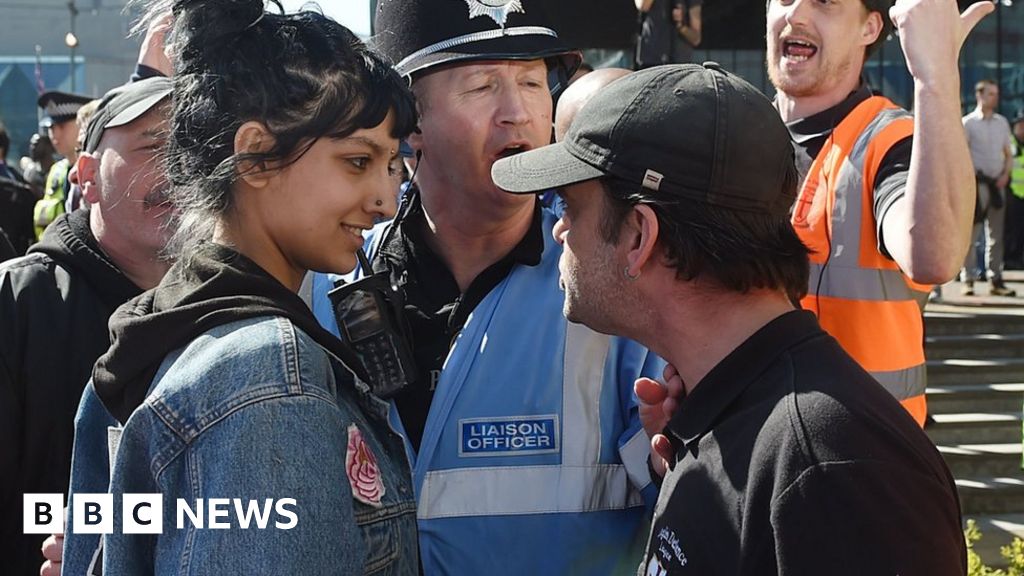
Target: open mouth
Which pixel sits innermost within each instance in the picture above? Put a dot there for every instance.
(511, 150)
(798, 50)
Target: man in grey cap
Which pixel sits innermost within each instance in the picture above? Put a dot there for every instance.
(789, 457)
(529, 456)
(55, 301)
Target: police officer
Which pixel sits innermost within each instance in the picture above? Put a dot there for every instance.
(529, 457)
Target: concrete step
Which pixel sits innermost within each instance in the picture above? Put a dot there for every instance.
(961, 323)
(976, 371)
(997, 459)
(954, 398)
(991, 494)
(942, 347)
(997, 530)
(976, 428)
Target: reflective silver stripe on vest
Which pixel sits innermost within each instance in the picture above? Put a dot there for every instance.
(586, 352)
(525, 490)
(578, 484)
(904, 384)
(848, 208)
(861, 284)
(634, 454)
(469, 38)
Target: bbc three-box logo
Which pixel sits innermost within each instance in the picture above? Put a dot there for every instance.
(144, 514)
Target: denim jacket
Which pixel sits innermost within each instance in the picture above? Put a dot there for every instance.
(250, 410)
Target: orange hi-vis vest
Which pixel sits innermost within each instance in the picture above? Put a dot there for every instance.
(861, 297)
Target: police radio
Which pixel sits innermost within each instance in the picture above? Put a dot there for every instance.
(369, 313)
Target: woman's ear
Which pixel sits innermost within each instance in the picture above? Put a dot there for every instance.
(253, 138)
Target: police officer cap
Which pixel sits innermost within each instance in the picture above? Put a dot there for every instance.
(420, 34)
(61, 106)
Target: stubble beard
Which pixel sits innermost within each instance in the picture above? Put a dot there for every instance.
(593, 302)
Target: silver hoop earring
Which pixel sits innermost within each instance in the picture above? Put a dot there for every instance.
(625, 272)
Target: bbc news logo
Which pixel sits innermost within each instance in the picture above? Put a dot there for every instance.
(144, 514)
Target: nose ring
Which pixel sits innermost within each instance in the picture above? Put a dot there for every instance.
(379, 202)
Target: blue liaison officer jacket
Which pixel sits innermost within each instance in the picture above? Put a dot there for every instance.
(533, 459)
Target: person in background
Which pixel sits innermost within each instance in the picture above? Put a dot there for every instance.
(578, 93)
(1015, 201)
(55, 302)
(7, 171)
(74, 196)
(62, 110)
(991, 151)
(669, 31)
(886, 199)
(37, 164)
(16, 201)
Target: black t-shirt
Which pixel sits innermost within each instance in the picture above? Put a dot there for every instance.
(791, 460)
(435, 307)
(809, 135)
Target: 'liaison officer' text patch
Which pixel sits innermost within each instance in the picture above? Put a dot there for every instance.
(510, 436)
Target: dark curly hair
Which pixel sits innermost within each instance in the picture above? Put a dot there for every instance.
(303, 76)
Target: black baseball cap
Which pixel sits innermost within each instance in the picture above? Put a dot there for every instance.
(125, 104)
(61, 106)
(420, 34)
(681, 130)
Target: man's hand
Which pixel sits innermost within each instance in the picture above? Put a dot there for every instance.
(154, 50)
(53, 551)
(932, 33)
(657, 405)
(1003, 181)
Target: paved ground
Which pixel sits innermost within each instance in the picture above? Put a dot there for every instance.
(953, 299)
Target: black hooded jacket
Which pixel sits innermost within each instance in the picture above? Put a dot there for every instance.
(54, 306)
(214, 286)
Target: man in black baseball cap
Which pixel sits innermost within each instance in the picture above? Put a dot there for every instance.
(788, 457)
(62, 294)
(530, 453)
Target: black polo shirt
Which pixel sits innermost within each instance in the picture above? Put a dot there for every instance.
(790, 459)
(810, 134)
(435, 307)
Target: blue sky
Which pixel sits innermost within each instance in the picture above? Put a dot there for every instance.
(354, 14)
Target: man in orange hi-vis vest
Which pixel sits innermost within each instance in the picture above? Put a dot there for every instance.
(887, 198)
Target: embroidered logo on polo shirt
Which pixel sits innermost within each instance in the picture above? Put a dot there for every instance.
(497, 10)
(363, 471)
(510, 436)
(667, 549)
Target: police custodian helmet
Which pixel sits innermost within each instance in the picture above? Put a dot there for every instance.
(420, 34)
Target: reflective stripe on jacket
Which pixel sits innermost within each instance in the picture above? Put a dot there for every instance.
(1017, 174)
(51, 204)
(860, 296)
(533, 460)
